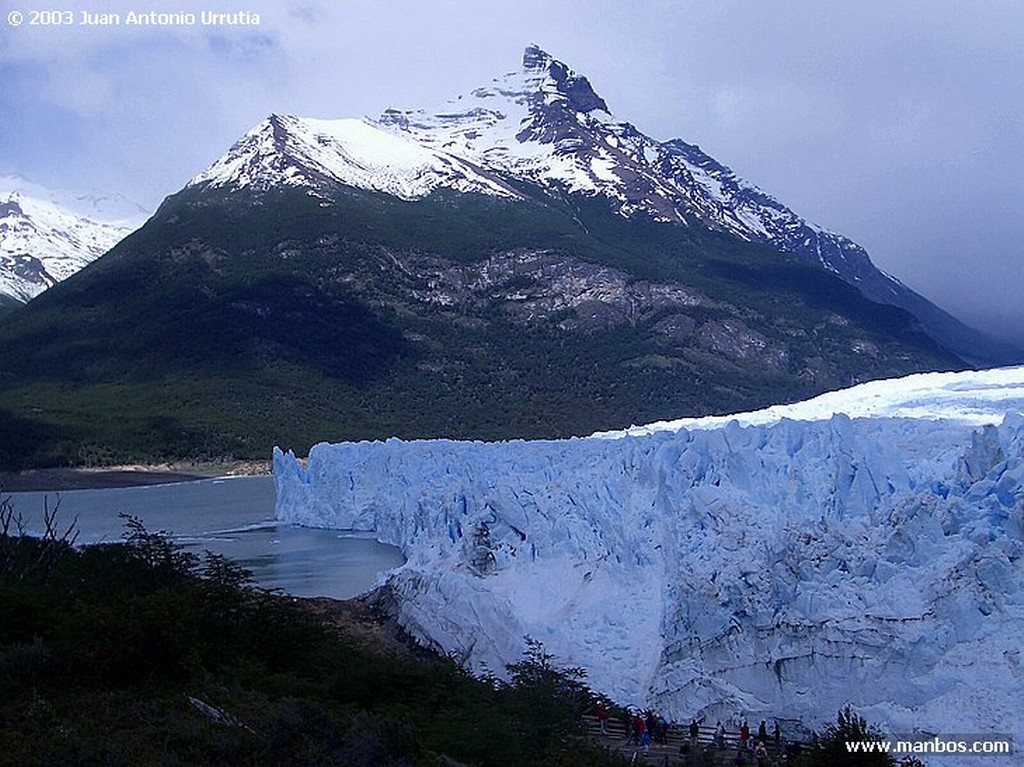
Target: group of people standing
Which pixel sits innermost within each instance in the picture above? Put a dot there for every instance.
(749, 748)
(644, 728)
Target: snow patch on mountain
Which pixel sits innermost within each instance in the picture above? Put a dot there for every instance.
(319, 154)
(780, 568)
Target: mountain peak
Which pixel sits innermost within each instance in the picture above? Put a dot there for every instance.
(580, 96)
(534, 57)
(521, 106)
(99, 207)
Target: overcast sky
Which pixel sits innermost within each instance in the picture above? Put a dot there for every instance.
(898, 123)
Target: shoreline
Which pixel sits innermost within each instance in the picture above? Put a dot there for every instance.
(111, 477)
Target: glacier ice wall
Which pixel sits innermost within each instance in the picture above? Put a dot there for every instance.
(775, 570)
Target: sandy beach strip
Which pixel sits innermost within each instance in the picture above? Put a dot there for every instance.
(45, 480)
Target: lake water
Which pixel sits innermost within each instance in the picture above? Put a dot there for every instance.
(231, 516)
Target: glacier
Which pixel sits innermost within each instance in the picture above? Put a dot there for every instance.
(864, 547)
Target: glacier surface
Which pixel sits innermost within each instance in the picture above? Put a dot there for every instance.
(863, 548)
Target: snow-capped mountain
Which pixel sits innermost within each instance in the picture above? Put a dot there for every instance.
(46, 236)
(542, 131)
(543, 125)
(862, 547)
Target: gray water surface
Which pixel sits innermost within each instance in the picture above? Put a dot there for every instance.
(231, 516)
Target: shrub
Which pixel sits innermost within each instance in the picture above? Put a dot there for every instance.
(829, 748)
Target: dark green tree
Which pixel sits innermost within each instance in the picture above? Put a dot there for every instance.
(834, 746)
(546, 701)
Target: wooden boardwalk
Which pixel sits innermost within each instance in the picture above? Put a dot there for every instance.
(677, 751)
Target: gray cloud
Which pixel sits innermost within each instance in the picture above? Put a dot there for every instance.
(309, 12)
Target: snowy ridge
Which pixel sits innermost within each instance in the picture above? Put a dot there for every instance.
(962, 397)
(46, 236)
(318, 154)
(780, 569)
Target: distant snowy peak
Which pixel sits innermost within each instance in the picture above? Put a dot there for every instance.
(320, 154)
(46, 236)
(100, 207)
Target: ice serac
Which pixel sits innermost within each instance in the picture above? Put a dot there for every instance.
(777, 569)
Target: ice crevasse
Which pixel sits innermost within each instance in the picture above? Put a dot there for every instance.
(760, 567)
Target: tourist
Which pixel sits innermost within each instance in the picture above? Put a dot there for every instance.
(645, 734)
(761, 754)
(632, 733)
